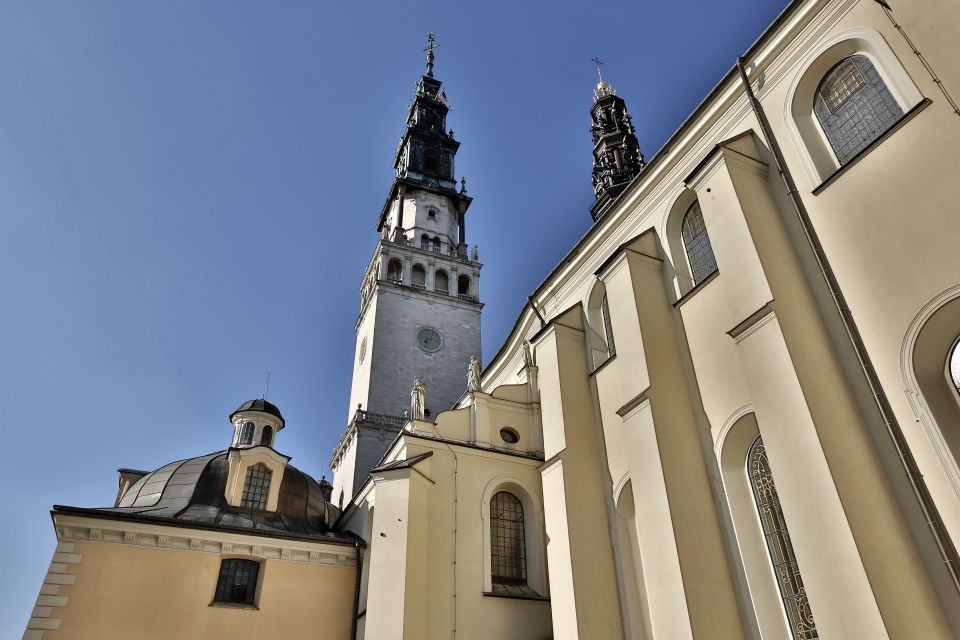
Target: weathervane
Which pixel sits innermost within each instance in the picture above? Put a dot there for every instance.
(599, 63)
(431, 45)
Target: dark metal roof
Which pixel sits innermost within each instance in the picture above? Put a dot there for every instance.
(261, 405)
(402, 464)
(191, 493)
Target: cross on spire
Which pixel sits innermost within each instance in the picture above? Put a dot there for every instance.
(599, 63)
(431, 45)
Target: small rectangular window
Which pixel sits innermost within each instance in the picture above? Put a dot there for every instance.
(237, 583)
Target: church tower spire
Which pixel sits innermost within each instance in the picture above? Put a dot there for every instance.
(617, 158)
(419, 297)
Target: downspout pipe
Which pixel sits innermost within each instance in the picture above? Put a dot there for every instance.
(356, 593)
(948, 553)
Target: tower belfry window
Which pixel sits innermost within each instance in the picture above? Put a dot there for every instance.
(246, 433)
(256, 487)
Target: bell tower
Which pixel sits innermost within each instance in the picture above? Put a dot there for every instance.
(419, 296)
(617, 158)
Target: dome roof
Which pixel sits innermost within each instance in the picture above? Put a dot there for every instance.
(192, 492)
(260, 404)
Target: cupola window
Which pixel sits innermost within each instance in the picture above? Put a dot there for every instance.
(246, 433)
(256, 487)
(237, 583)
(266, 438)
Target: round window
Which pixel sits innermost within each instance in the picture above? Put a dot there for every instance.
(510, 436)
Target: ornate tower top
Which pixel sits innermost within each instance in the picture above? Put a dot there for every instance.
(617, 158)
(427, 149)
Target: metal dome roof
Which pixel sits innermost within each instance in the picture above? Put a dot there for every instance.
(262, 405)
(191, 492)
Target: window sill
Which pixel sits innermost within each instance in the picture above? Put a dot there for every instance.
(873, 145)
(490, 594)
(700, 285)
(234, 605)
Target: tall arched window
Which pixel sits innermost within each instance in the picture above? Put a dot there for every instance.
(246, 433)
(775, 531)
(256, 487)
(425, 242)
(395, 271)
(441, 282)
(508, 555)
(463, 285)
(854, 106)
(697, 244)
(607, 326)
(237, 583)
(431, 161)
(266, 437)
(419, 276)
(436, 244)
(955, 366)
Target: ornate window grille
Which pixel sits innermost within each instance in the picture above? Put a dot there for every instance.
(246, 433)
(256, 487)
(784, 561)
(854, 106)
(508, 555)
(237, 582)
(697, 244)
(608, 326)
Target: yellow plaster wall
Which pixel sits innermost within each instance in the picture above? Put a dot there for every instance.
(124, 592)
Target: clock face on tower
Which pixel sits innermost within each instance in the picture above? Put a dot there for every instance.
(428, 339)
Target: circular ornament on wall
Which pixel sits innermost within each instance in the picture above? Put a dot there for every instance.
(429, 339)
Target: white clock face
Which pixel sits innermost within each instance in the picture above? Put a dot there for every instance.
(428, 339)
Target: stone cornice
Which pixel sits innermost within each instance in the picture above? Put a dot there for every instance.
(84, 528)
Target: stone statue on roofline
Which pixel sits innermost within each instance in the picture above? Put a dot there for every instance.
(527, 354)
(418, 399)
(473, 374)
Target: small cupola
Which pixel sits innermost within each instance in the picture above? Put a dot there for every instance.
(255, 423)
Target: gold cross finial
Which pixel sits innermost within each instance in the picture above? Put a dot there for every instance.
(599, 63)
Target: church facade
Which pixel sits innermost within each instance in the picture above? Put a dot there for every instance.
(727, 413)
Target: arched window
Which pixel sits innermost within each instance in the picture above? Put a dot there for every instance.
(425, 242)
(854, 106)
(463, 285)
(436, 245)
(266, 437)
(256, 487)
(395, 272)
(431, 214)
(955, 367)
(419, 276)
(775, 531)
(237, 583)
(607, 326)
(508, 555)
(697, 244)
(246, 433)
(441, 282)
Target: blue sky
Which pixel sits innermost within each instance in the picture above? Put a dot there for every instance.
(189, 192)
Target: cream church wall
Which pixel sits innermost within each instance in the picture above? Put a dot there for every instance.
(121, 591)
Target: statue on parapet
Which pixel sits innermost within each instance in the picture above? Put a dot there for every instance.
(418, 399)
(473, 374)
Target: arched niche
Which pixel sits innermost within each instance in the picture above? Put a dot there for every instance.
(636, 617)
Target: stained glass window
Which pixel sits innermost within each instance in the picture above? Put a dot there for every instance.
(784, 561)
(608, 326)
(697, 243)
(238, 581)
(854, 107)
(508, 556)
(256, 487)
